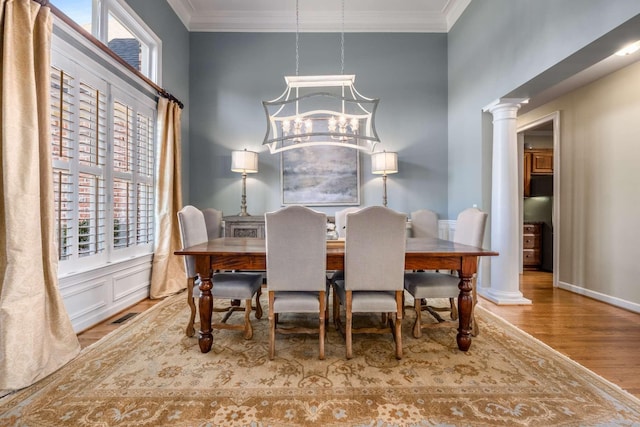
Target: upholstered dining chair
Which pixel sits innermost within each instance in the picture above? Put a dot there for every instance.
(213, 221)
(341, 217)
(470, 226)
(375, 246)
(424, 223)
(232, 286)
(296, 247)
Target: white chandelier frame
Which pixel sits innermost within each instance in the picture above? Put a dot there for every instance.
(349, 124)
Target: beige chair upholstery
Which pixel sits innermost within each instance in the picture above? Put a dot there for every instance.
(213, 220)
(296, 269)
(424, 223)
(341, 218)
(240, 286)
(373, 277)
(470, 227)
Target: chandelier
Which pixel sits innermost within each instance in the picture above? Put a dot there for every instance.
(320, 110)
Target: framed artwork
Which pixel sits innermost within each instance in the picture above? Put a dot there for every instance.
(322, 175)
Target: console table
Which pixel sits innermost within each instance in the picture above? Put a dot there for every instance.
(244, 226)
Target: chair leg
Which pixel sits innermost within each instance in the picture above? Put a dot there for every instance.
(336, 309)
(475, 330)
(454, 309)
(417, 325)
(190, 331)
(258, 306)
(349, 320)
(321, 332)
(248, 329)
(272, 327)
(398, 324)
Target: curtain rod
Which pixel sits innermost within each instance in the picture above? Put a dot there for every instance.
(57, 12)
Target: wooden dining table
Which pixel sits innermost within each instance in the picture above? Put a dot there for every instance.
(237, 253)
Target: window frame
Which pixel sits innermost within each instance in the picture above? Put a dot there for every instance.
(97, 69)
(151, 63)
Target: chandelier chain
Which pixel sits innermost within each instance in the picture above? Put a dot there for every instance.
(297, 36)
(342, 41)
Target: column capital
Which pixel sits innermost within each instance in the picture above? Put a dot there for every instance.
(513, 104)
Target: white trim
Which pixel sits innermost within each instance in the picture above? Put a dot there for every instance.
(618, 302)
(555, 210)
(95, 295)
(143, 32)
(404, 18)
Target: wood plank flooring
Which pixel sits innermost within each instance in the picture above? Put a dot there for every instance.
(599, 336)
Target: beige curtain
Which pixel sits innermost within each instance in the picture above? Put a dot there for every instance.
(167, 275)
(36, 336)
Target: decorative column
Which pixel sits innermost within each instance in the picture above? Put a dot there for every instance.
(505, 219)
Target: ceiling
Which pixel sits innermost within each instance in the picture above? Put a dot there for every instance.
(423, 16)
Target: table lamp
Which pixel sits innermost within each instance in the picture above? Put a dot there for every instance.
(384, 163)
(244, 162)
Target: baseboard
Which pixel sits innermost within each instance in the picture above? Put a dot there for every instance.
(618, 302)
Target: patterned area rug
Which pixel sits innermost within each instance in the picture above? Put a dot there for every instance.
(148, 373)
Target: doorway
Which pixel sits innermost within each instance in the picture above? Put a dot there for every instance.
(539, 171)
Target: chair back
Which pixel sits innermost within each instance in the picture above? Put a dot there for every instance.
(193, 230)
(213, 219)
(374, 249)
(341, 217)
(424, 223)
(296, 244)
(470, 227)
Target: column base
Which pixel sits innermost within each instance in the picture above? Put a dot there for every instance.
(503, 298)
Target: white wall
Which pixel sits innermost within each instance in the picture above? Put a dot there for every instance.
(599, 194)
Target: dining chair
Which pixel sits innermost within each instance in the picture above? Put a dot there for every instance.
(375, 244)
(470, 226)
(424, 223)
(296, 247)
(213, 220)
(340, 219)
(232, 286)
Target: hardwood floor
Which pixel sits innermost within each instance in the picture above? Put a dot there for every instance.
(94, 334)
(599, 336)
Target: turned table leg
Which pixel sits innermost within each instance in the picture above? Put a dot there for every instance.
(205, 339)
(465, 303)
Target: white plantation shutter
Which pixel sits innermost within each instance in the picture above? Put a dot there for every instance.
(144, 188)
(62, 142)
(123, 196)
(102, 138)
(92, 149)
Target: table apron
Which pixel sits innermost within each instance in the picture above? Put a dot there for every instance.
(334, 262)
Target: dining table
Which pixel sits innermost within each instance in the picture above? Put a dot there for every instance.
(247, 254)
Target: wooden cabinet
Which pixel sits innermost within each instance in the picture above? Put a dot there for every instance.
(537, 161)
(531, 245)
(244, 226)
(542, 162)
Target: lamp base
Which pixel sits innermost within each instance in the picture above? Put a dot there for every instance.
(244, 214)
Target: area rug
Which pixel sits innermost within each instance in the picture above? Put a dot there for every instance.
(148, 373)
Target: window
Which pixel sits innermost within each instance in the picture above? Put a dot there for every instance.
(102, 140)
(114, 23)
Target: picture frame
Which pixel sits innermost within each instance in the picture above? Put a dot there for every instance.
(321, 175)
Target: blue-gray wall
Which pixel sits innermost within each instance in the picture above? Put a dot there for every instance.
(162, 20)
(504, 48)
(232, 73)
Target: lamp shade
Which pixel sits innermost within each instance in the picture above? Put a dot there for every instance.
(384, 163)
(244, 161)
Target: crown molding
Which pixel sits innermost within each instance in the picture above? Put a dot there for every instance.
(278, 20)
(453, 10)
